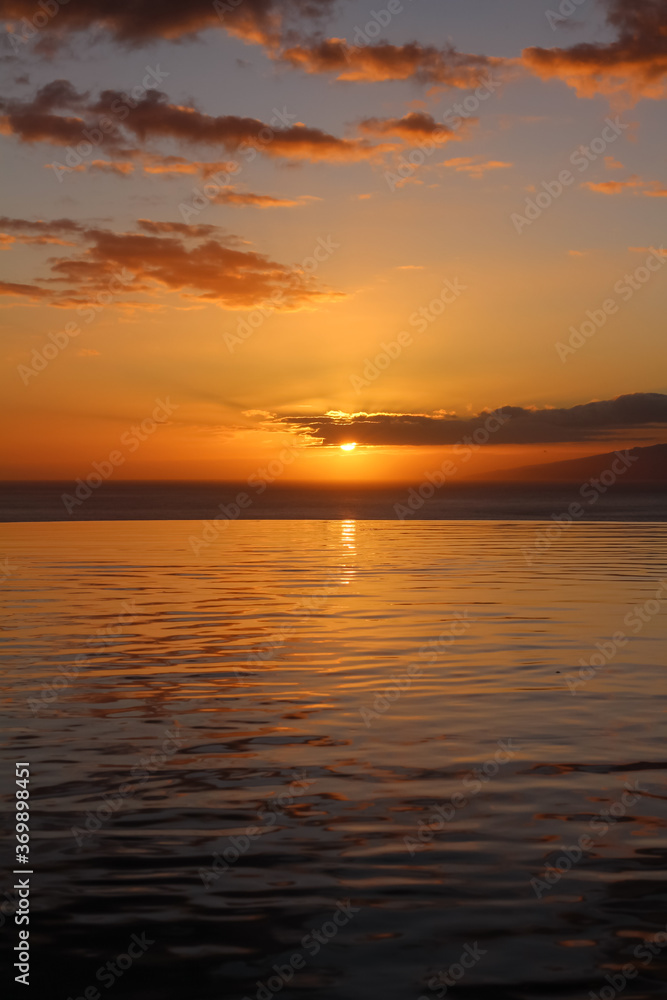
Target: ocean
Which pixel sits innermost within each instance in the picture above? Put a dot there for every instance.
(340, 757)
(166, 501)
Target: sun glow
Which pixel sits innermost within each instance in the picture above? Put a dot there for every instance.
(349, 447)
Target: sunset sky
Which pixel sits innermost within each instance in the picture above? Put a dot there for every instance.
(235, 208)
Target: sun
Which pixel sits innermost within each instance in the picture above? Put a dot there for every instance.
(349, 447)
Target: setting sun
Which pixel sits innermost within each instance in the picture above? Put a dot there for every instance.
(349, 447)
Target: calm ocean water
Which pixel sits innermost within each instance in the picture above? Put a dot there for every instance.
(118, 501)
(342, 759)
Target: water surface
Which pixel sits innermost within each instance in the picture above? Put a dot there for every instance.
(369, 731)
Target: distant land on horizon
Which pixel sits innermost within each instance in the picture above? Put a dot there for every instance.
(650, 466)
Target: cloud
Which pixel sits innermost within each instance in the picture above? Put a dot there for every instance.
(411, 127)
(200, 231)
(595, 421)
(24, 291)
(152, 164)
(40, 227)
(611, 163)
(424, 64)
(7, 241)
(122, 168)
(231, 196)
(163, 166)
(475, 167)
(33, 120)
(198, 262)
(649, 189)
(154, 117)
(136, 24)
(635, 62)
(614, 187)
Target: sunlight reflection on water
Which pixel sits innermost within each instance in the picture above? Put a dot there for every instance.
(387, 707)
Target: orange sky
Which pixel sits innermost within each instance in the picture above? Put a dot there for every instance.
(263, 229)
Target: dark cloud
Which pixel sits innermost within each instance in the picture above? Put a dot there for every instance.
(138, 22)
(33, 119)
(595, 421)
(411, 127)
(635, 61)
(155, 117)
(109, 122)
(39, 226)
(200, 231)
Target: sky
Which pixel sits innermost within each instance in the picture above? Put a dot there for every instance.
(240, 233)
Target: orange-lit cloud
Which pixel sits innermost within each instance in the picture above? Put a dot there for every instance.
(411, 127)
(635, 63)
(231, 196)
(197, 262)
(611, 163)
(153, 163)
(649, 189)
(374, 63)
(7, 241)
(15, 288)
(475, 167)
